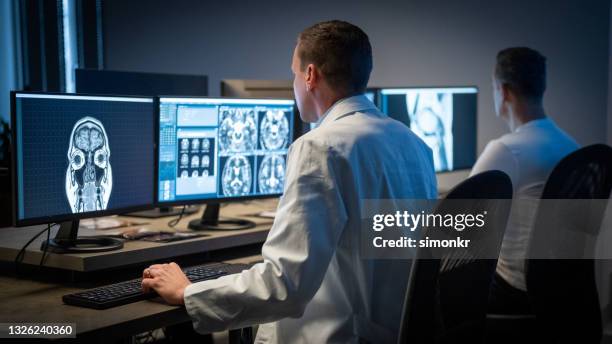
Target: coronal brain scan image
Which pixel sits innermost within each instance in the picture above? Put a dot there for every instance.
(184, 160)
(205, 145)
(184, 144)
(89, 177)
(274, 130)
(236, 178)
(195, 161)
(237, 130)
(431, 119)
(195, 144)
(271, 176)
(205, 161)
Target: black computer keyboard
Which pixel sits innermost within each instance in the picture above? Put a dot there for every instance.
(122, 293)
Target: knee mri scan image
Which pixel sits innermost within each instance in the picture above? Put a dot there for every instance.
(274, 130)
(236, 178)
(237, 130)
(432, 120)
(89, 176)
(271, 176)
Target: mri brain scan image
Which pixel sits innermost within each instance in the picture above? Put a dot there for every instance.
(237, 130)
(195, 145)
(271, 176)
(184, 160)
(195, 161)
(205, 145)
(184, 174)
(431, 119)
(274, 130)
(89, 176)
(205, 161)
(184, 144)
(236, 177)
(195, 174)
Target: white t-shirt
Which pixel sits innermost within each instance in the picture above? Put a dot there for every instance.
(528, 155)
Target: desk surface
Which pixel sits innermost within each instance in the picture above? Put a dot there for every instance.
(24, 301)
(138, 252)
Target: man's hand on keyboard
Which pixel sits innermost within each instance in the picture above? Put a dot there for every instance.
(168, 280)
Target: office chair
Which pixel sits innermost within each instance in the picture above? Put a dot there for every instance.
(446, 299)
(562, 292)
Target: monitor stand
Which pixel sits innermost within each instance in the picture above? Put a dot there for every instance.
(66, 241)
(165, 211)
(210, 221)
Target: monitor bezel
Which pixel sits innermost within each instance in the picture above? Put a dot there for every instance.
(379, 99)
(184, 202)
(78, 216)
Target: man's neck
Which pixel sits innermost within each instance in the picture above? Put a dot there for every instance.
(526, 112)
(327, 101)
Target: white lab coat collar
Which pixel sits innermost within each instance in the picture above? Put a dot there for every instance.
(346, 106)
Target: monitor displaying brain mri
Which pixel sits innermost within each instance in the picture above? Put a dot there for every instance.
(223, 148)
(81, 156)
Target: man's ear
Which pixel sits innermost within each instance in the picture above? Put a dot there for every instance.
(312, 77)
(506, 92)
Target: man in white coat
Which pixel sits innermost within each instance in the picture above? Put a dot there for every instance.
(313, 285)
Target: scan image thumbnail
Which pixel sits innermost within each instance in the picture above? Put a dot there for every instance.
(196, 157)
(274, 130)
(271, 176)
(237, 130)
(431, 118)
(236, 178)
(89, 176)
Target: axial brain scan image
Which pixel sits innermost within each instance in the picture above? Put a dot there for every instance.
(274, 130)
(237, 130)
(89, 177)
(236, 177)
(271, 177)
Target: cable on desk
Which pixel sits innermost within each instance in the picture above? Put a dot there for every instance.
(21, 255)
(172, 223)
(42, 259)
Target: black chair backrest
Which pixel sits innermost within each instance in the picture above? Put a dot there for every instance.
(563, 292)
(446, 299)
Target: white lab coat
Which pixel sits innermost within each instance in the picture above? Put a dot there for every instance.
(313, 285)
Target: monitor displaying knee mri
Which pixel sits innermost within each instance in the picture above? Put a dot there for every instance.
(79, 156)
(443, 117)
(220, 148)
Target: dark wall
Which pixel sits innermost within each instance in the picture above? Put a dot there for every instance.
(418, 42)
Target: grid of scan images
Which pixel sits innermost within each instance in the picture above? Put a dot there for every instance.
(253, 143)
(196, 157)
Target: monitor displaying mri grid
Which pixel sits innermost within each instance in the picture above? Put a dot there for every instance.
(221, 148)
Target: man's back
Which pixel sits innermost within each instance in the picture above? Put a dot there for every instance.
(373, 157)
(528, 155)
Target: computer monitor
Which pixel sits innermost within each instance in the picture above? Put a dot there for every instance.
(93, 81)
(220, 149)
(444, 117)
(81, 156)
